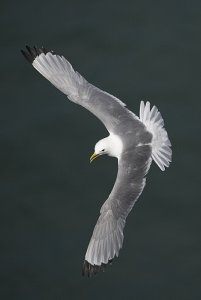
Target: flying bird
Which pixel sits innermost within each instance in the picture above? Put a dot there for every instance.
(134, 141)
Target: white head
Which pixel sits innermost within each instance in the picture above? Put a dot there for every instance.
(110, 145)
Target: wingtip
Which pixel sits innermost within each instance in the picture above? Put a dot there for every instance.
(32, 52)
(90, 270)
(27, 56)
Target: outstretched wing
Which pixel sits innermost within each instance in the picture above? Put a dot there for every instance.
(107, 237)
(55, 68)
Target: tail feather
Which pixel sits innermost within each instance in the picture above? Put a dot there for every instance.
(152, 119)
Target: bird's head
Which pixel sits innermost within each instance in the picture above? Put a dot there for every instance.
(100, 148)
(110, 145)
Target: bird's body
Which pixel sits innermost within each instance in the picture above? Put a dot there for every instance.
(134, 141)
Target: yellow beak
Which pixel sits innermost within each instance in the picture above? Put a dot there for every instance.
(94, 156)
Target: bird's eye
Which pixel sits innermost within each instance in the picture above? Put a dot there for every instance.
(103, 150)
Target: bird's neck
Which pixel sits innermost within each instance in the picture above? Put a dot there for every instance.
(115, 146)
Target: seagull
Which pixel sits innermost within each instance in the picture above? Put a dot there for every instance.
(134, 141)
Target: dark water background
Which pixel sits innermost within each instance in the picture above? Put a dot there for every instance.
(51, 196)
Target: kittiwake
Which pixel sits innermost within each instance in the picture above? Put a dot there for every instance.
(134, 141)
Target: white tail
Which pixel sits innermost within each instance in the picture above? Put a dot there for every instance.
(152, 119)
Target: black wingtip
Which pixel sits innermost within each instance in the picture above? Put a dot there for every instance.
(31, 53)
(27, 56)
(91, 270)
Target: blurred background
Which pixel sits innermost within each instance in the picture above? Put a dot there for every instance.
(51, 196)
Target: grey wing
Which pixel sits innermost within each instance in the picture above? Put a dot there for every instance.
(107, 237)
(110, 110)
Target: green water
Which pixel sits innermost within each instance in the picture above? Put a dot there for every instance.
(51, 195)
